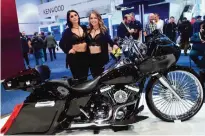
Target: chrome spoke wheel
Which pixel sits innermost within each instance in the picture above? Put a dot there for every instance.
(187, 86)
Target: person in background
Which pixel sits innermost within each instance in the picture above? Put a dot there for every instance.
(51, 44)
(42, 35)
(98, 40)
(198, 48)
(74, 45)
(170, 29)
(185, 30)
(150, 26)
(196, 25)
(159, 22)
(123, 29)
(25, 47)
(193, 20)
(203, 19)
(136, 25)
(37, 44)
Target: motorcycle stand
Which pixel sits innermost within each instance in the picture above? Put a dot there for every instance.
(96, 130)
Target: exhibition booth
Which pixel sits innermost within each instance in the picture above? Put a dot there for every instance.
(147, 87)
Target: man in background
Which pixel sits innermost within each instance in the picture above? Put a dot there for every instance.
(150, 26)
(196, 25)
(124, 28)
(25, 47)
(159, 22)
(38, 45)
(170, 29)
(42, 35)
(136, 25)
(51, 44)
(185, 29)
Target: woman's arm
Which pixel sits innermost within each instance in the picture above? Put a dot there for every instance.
(64, 43)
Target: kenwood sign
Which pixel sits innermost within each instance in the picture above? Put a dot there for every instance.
(60, 7)
(56, 9)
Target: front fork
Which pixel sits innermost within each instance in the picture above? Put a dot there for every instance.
(163, 80)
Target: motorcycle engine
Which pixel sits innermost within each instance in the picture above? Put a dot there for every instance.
(120, 95)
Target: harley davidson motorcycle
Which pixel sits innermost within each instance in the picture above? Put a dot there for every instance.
(172, 92)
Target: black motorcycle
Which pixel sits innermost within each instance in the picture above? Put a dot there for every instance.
(112, 99)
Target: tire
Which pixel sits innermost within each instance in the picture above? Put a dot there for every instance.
(185, 72)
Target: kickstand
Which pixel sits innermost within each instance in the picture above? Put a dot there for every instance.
(120, 128)
(96, 130)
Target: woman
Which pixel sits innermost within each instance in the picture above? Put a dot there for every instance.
(73, 44)
(98, 40)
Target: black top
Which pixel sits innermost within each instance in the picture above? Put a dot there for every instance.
(136, 25)
(122, 31)
(102, 40)
(170, 30)
(75, 39)
(24, 43)
(69, 39)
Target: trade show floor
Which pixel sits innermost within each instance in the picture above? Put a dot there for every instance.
(10, 98)
(150, 126)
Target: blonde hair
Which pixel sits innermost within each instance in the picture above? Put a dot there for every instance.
(102, 27)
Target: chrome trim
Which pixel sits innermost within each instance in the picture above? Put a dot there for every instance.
(164, 81)
(87, 125)
(132, 88)
(84, 113)
(101, 121)
(122, 106)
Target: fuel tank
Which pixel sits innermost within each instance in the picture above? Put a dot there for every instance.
(121, 74)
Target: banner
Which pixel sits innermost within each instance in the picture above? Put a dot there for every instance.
(83, 7)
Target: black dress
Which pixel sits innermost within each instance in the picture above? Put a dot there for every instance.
(77, 62)
(97, 61)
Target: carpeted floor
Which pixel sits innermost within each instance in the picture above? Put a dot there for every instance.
(10, 98)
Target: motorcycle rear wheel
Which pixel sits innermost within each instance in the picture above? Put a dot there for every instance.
(189, 87)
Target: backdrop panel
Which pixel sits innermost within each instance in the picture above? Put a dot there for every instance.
(11, 52)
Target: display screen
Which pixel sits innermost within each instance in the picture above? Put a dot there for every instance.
(44, 29)
(55, 30)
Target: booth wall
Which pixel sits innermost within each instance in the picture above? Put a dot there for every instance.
(11, 53)
(28, 16)
(153, 9)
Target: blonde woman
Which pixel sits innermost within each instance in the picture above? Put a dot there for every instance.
(98, 40)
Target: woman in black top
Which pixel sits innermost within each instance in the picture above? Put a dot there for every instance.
(98, 40)
(73, 43)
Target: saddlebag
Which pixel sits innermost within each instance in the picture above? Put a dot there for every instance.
(34, 118)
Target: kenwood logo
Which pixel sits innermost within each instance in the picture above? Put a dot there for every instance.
(54, 9)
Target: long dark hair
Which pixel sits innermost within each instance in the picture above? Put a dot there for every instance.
(69, 23)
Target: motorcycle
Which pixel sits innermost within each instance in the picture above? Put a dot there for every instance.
(112, 99)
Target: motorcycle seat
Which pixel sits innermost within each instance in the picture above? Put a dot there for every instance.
(86, 87)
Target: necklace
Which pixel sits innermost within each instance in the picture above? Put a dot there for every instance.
(94, 34)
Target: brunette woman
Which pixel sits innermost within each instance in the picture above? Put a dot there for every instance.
(98, 40)
(73, 44)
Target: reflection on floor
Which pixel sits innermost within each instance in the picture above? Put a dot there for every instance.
(58, 70)
(151, 126)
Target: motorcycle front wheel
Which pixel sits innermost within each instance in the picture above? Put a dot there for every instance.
(164, 105)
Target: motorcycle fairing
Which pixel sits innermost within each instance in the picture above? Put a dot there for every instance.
(156, 64)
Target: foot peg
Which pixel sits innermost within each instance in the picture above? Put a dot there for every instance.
(140, 109)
